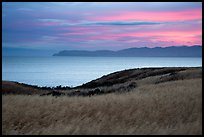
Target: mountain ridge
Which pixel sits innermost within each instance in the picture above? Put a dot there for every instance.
(173, 51)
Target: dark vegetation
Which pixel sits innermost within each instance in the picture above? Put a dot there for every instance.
(128, 75)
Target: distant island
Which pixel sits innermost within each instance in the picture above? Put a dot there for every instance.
(173, 51)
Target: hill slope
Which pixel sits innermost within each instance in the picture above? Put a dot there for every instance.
(183, 51)
(160, 101)
(121, 81)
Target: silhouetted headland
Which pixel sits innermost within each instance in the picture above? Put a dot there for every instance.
(180, 51)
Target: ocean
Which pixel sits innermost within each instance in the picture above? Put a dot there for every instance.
(74, 71)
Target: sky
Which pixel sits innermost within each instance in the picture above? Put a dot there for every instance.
(100, 25)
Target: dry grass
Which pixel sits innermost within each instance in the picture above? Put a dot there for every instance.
(173, 107)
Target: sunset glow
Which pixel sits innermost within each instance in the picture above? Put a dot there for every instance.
(95, 26)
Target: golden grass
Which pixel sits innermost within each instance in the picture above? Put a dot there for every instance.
(168, 108)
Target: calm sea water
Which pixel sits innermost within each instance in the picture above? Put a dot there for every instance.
(74, 71)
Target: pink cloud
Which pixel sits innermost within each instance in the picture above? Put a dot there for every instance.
(175, 32)
(178, 37)
(150, 16)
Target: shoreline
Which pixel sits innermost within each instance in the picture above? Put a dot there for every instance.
(124, 79)
(53, 87)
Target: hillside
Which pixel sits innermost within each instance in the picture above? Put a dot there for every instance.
(148, 101)
(182, 51)
(121, 81)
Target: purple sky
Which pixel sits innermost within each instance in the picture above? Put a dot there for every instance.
(97, 25)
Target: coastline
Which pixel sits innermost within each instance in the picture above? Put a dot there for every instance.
(124, 79)
(147, 101)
